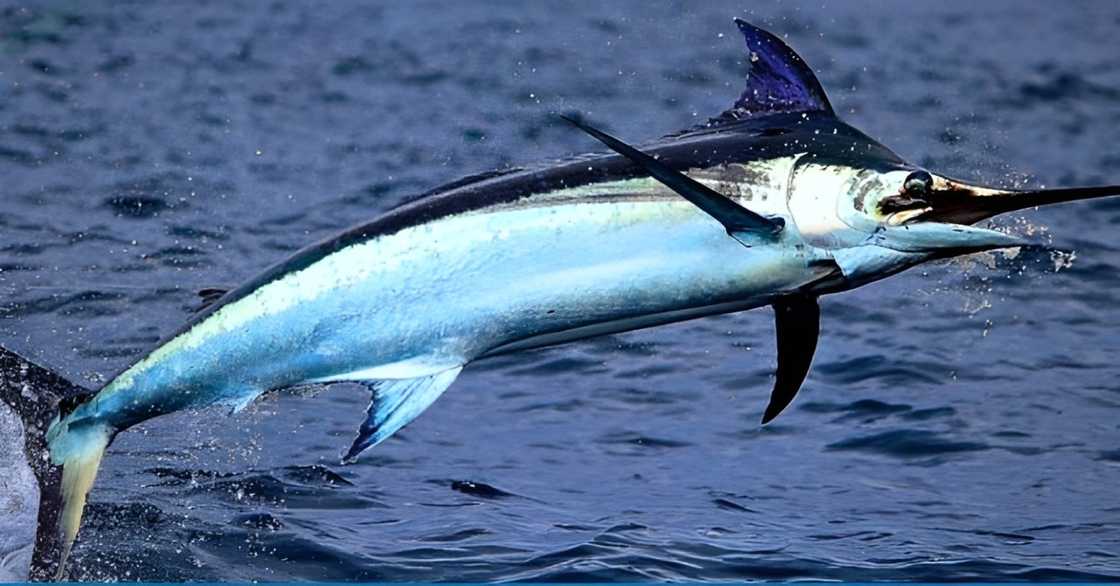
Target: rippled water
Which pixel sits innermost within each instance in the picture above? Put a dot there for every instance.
(961, 422)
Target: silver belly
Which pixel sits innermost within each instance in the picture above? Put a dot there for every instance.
(445, 293)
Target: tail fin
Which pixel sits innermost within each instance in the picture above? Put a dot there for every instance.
(78, 448)
(35, 394)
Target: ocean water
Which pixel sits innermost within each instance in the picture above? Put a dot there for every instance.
(961, 422)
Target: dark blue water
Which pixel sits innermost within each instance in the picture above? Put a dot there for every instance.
(962, 422)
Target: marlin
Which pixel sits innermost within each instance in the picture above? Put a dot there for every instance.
(775, 202)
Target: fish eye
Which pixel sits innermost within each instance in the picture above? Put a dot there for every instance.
(918, 183)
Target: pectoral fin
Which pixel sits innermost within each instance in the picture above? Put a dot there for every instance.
(736, 219)
(395, 403)
(798, 324)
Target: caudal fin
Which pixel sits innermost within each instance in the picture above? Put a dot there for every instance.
(34, 394)
(78, 449)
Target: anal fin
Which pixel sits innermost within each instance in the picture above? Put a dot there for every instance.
(395, 403)
(797, 320)
(237, 403)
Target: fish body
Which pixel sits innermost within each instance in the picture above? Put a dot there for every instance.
(543, 256)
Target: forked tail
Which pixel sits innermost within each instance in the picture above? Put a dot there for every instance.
(64, 458)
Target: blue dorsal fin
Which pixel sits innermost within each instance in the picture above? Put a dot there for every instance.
(778, 80)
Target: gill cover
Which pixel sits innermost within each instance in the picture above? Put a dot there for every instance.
(842, 205)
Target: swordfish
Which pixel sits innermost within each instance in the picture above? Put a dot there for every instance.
(774, 202)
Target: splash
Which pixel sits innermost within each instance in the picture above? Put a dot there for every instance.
(975, 278)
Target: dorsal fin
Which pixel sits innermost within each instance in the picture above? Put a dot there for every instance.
(209, 295)
(778, 80)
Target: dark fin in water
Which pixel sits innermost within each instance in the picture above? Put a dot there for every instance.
(209, 296)
(35, 393)
(394, 404)
(778, 80)
(798, 324)
(736, 219)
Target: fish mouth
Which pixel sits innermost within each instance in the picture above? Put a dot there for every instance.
(958, 202)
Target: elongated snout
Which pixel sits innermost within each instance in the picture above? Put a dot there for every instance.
(958, 202)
